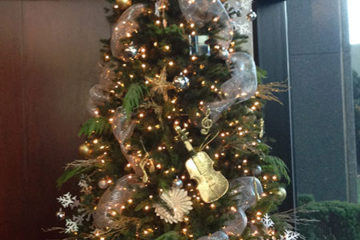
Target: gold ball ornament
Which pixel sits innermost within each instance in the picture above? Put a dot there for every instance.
(103, 183)
(85, 150)
(123, 4)
(280, 193)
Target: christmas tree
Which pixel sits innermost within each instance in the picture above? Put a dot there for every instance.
(174, 148)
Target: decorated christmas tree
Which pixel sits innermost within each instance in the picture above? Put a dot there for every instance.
(174, 147)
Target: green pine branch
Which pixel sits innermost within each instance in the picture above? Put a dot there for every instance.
(133, 98)
(68, 174)
(275, 165)
(97, 126)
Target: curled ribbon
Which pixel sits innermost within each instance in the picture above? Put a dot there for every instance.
(122, 130)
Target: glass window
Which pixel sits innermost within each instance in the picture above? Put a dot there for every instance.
(354, 32)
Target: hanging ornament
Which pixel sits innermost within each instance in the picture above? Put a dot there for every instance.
(223, 53)
(103, 183)
(267, 221)
(220, 235)
(85, 150)
(71, 226)
(198, 45)
(178, 204)
(181, 82)
(212, 185)
(130, 52)
(60, 214)
(201, 12)
(178, 183)
(236, 226)
(123, 4)
(123, 28)
(251, 16)
(160, 85)
(290, 235)
(246, 191)
(256, 170)
(146, 161)
(262, 128)
(206, 123)
(113, 200)
(280, 193)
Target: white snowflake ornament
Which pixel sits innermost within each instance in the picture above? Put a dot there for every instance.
(83, 184)
(79, 219)
(179, 204)
(71, 226)
(66, 200)
(290, 235)
(267, 221)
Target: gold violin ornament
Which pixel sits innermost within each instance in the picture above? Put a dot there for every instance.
(212, 185)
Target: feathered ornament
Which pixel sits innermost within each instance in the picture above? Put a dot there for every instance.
(176, 204)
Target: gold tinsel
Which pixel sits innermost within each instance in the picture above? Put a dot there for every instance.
(266, 91)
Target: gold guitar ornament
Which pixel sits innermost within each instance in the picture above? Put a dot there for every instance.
(212, 185)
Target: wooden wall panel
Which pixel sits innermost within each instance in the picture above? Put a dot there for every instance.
(59, 55)
(11, 121)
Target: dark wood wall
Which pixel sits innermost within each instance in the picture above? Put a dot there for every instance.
(48, 60)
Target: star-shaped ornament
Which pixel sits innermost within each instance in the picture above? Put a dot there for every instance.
(160, 85)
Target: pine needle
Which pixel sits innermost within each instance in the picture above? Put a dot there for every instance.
(96, 126)
(133, 98)
(169, 236)
(68, 174)
(276, 166)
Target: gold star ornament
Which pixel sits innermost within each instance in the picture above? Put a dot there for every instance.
(160, 85)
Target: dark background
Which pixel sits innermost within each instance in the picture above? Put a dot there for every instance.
(48, 61)
(49, 52)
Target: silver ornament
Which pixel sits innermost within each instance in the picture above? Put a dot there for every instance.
(256, 170)
(103, 183)
(251, 16)
(181, 82)
(224, 53)
(60, 214)
(178, 183)
(130, 52)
